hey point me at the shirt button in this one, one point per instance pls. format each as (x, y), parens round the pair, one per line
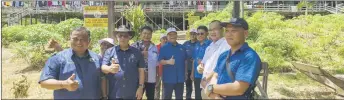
(124, 79)
(123, 85)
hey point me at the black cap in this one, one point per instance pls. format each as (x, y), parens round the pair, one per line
(238, 22)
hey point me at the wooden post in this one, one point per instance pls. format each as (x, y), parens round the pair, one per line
(162, 20)
(110, 18)
(236, 9)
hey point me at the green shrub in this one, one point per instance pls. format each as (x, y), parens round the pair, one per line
(21, 88)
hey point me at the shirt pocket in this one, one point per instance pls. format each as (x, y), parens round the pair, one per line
(67, 70)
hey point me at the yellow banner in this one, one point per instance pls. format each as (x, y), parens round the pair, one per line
(96, 22)
(92, 9)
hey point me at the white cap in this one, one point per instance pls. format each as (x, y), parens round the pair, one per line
(193, 30)
(162, 36)
(106, 40)
(171, 30)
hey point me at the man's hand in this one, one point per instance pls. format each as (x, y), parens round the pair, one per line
(200, 68)
(171, 61)
(204, 83)
(139, 93)
(71, 84)
(214, 96)
(192, 76)
(113, 68)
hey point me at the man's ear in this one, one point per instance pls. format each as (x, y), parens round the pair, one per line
(246, 33)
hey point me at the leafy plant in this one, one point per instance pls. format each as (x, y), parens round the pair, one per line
(20, 88)
(137, 18)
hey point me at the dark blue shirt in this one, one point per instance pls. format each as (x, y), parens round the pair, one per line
(244, 64)
(124, 83)
(198, 55)
(173, 73)
(87, 70)
(189, 51)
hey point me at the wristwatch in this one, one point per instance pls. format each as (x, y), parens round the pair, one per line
(142, 85)
(210, 88)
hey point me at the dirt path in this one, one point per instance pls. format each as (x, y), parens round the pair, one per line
(12, 71)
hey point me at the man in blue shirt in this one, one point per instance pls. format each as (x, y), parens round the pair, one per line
(238, 68)
(190, 46)
(201, 46)
(73, 73)
(124, 66)
(173, 58)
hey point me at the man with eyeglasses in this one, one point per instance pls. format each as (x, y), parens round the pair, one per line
(124, 66)
(201, 46)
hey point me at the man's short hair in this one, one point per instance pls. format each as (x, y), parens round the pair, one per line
(147, 28)
(202, 27)
(82, 29)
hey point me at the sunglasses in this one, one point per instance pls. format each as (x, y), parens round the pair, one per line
(193, 33)
(124, 36)
(200, 33)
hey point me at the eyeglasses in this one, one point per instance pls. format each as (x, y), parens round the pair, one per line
(124, 36)
(200, 33)
(193, 33)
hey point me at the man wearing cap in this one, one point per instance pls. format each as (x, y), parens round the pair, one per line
(237, 69)
(73, 73)
(163, 40)
(173, 58)
(212, 53)
(189, 46)
(124, 66)
(150, 54)
(105, 44)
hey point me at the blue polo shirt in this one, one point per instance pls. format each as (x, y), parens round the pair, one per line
(124, 83)
(87, 70)
(244, 64)
(189, 51)
(199, 54)
(173, 73)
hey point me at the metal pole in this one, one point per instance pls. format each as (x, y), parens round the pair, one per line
(241, 9)
(110, 18)
(183, 21)
(236, 9)
(162, 20)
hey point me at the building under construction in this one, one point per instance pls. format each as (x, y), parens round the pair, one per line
(159, 13)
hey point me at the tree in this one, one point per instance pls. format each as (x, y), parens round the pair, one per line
(137, 18)
(305, 3)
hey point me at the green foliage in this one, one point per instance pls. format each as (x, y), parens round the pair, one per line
(21, 88)
(64, 28)
(137, 19)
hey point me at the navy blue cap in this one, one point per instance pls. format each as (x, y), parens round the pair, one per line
(238, 22)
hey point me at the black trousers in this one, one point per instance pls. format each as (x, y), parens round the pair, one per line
(198, 90)
(149, 89)
(188, 84)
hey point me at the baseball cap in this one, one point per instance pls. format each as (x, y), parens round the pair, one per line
(106, 40)
(238, 22)
(169, 30)
(162, 36)
(193, 30)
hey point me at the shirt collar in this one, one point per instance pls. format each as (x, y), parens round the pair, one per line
(243, 47)
(119, 49)
(72, 53)
(169, 43)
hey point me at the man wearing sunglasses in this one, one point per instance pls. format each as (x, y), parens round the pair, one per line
(238, 68)
(201, 46)
(189, 46)
(124, 66)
